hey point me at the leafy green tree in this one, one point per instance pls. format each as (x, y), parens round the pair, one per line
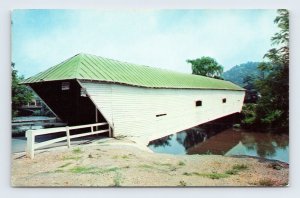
(273, 106)
(21, 95)
(206, 66)
(248, 81)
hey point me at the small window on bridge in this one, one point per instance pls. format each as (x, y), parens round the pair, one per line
(224, 100)
(198, 103)
(65, 86)
(83, 92)
(159, 115)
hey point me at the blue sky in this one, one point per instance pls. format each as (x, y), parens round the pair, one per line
(157, 38)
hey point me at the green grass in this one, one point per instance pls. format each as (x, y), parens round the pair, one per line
(77, 150)
(214, 175)
(72, 158)
(240, 167)
(112, 169)
(182, 183)
(146, 166)
(117, 179)
(232, 172)
(181, 163)
(166, 164)
(162, 164)
(187, 174)
(209, 175)
(92, 170)
(236, 169)
(173, 168)
(65, 165)
(82, 169)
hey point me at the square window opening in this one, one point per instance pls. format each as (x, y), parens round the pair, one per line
(65, 86)
(198, 103)
(83, 92)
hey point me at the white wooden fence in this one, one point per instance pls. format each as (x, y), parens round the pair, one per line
(31, 134)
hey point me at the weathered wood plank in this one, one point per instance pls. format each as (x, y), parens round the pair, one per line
(87, 134)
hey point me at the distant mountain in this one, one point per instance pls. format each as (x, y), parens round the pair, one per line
(239, 72)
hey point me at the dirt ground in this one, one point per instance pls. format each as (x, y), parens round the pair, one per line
(116, 164)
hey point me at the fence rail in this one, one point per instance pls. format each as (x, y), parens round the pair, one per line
(31, 134)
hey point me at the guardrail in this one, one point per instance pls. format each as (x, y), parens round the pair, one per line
(31, 134)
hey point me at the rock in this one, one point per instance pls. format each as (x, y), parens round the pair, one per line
(275, 166)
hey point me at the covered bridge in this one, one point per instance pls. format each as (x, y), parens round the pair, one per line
(137, 101)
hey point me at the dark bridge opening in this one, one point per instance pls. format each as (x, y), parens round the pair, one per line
(69, 101)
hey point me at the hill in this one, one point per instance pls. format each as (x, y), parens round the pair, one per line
(237, 73)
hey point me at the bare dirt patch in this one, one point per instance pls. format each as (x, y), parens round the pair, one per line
(124, 165)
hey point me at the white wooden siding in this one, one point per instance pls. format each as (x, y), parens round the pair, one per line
(132, 110)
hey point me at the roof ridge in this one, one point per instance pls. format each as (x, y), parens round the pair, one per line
(78, 65)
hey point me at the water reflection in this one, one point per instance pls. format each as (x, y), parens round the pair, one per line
(212, 139)
(162, 142)
(263, 145)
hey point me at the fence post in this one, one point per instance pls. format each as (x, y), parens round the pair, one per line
(109, 131)
(30, 144)
(68, 136)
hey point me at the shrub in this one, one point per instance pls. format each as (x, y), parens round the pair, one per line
(181, 163)
(77, 150)
(249, 116)
(182, 183)
(240, 167)
(266, 182)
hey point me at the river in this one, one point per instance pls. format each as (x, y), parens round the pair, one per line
(230, 141)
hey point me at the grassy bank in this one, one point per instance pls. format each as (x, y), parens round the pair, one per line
(110, 164)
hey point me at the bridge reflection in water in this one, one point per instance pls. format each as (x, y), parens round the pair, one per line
(216, 138)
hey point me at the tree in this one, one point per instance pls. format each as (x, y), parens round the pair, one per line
(206, 66)
(273, 106)
(21, 95)
(248, 81)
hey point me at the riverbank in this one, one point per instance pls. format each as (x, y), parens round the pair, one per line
(122, 163)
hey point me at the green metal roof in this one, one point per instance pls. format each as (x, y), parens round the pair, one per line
(95, 68)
